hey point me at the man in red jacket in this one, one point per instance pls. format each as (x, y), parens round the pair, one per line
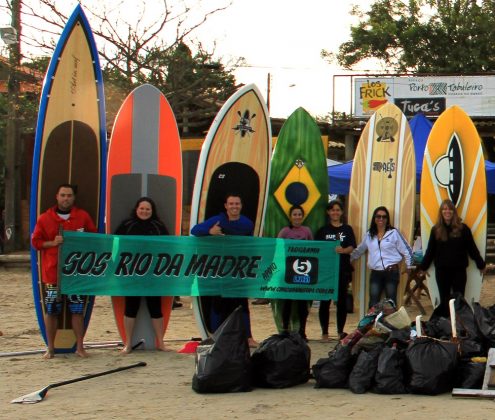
(46, 238)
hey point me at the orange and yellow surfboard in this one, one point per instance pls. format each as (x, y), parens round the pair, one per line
(454, 168)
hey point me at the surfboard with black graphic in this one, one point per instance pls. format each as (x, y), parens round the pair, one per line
(235, 157)
(70, 147)
(383, 174)
(454, 168)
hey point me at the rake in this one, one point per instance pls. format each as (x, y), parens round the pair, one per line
(37, 396)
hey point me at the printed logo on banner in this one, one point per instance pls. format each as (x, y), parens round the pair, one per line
(301, 270)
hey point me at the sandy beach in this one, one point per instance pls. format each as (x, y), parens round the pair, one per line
(163, 387)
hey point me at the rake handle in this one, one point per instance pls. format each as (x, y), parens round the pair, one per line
(94, 375)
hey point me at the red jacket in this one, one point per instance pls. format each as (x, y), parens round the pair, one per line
(47, 227)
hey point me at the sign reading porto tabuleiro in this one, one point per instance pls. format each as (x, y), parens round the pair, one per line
(427, 95)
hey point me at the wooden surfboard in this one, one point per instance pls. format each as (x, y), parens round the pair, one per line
(383, 174)
(235, 157)
(144, 159)
(454, 168)
(298, 176)
(70, 147)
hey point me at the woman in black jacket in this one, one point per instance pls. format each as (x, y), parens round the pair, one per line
(143, 221)
(451, 243)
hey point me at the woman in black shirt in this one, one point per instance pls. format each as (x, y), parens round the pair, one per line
(336, 230)
(143, 221)
(450, 244)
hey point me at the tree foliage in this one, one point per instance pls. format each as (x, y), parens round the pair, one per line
(424, 36)
(145, 48)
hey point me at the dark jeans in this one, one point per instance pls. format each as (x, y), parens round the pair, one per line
(324, 311)
(381, 281)
(222, 307)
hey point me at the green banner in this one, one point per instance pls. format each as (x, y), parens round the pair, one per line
(229, 266)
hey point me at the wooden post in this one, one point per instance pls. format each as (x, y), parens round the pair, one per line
(12, 150)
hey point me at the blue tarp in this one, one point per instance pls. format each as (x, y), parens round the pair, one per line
(339, 176)
(420, 130)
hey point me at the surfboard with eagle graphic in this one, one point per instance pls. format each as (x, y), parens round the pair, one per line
(454, 168)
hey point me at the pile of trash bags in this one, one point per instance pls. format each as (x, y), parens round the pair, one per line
(224, 364)
(386, 355)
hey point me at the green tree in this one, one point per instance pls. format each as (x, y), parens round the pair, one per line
(424, 36)
(149, 48)
(195, 85)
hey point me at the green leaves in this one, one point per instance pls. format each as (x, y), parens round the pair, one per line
(426, 36)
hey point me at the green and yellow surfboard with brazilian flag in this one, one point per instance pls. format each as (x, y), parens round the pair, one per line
(298, 176)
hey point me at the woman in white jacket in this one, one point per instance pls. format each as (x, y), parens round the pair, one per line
(386, 247)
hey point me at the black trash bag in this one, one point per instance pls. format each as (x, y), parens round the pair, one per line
(333, 371)
(438, 327)
(470, 375)
(389, 377)
(363, 372)
(471, 348)
(485, 320)
(470, 340)
(281, 361)
(223, 361)
(432, 365)
(400, 338)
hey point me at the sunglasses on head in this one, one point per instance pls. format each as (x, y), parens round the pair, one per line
(381, 216)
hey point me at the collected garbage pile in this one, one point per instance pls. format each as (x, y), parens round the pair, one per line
(386, 354)
(224, 363)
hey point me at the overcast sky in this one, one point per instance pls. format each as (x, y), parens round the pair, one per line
(280, 38)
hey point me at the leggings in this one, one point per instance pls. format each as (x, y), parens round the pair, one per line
(450, 280)
(154, 304)
(302, 311)
(324, 311)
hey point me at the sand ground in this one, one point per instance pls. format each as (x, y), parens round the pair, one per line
(163, 387)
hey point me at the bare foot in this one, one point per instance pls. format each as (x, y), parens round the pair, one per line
(82, 353)
(325, 338)
(126, 350)
(49, 354)
(252, 343)
(163, 348)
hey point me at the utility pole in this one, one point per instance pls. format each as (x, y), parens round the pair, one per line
(12, 151)
(268, 88)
